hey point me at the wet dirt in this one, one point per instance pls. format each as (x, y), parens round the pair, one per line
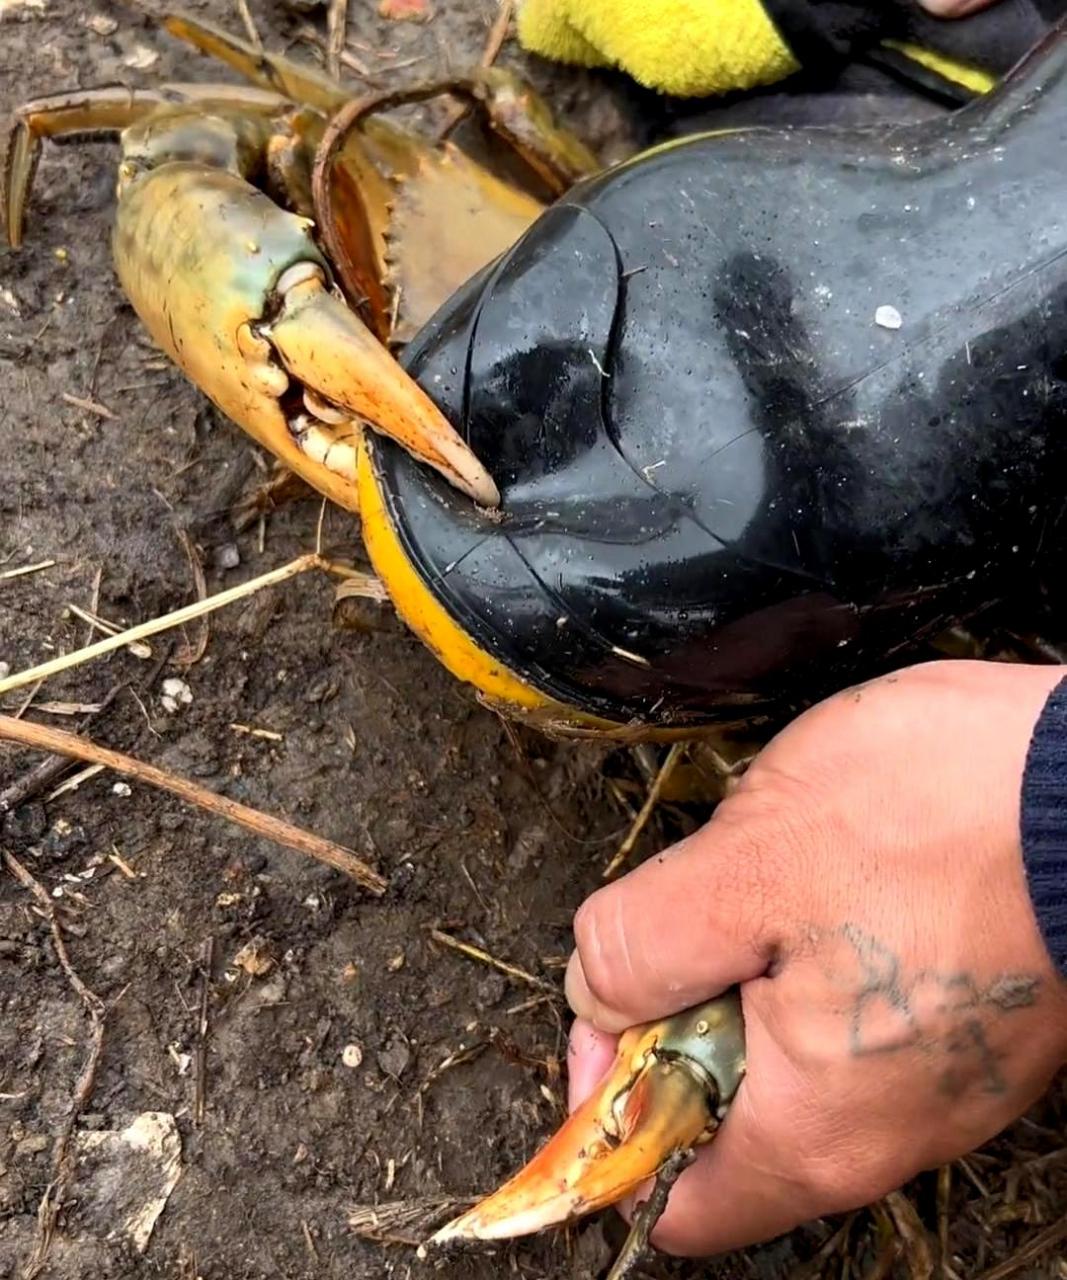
(322, 1082)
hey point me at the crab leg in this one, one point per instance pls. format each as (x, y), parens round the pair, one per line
(296, 81)
(97, 110)
(668, 1088)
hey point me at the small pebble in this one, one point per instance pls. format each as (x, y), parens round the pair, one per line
(888, 317)
(5, 670)
(141, 58)
(227, 556)
(176, 693)
(122, 789)
(352, 1055)
(101, 24)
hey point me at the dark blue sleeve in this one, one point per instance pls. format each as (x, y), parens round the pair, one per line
(1044, 823)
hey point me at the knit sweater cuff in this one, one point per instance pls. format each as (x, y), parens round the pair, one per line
(1044, 823)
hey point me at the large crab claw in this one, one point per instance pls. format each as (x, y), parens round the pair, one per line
(668, 1088)
(235, 291)
(234, 288)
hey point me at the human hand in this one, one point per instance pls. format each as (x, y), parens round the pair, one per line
(864, 883)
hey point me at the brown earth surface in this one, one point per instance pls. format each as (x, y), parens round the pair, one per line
(493, 834)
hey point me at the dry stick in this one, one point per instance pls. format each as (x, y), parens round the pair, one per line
(404, 1221)
(648, 1213)
(944, 1193)
(88, 406)
(190, 654)
(249, 24)
(207, 959)
(912, 1235)
(651, 800)
(336, 30)
(813, 1268)
(1038, 1244)
(176, 619)
(63, 1158)
(23, 569)
(333, 855)
(47, 771)
(498, 33)
(477, 953)
(96, 623)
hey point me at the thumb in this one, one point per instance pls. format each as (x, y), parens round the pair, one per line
(684, 926)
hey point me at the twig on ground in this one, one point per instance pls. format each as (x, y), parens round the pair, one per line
(176, 619)
(477, 953)
(918, 1255)
(47, 771)
(190, 654)
(648, 1213)
(96, 623)
(944, 1194)
(651, 800)
(203, 1025)
(333, 855)
(88, 406)
(74, 781)
(245, 15)
(457, 1058)
(835, 1243)
(1039, 1243)
(336, 31)
(63, 1155)
(404, 1221)
(24, 569)
(498, 33)
(309, 1242)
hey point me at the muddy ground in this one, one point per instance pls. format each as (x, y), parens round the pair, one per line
(491, 834)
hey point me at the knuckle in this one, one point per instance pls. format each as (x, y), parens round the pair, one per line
(600, 949)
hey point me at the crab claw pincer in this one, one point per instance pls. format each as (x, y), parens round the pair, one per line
(337, 358)
(668, 1088)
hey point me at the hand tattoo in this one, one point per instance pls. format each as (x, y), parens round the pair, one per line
(943, 1015)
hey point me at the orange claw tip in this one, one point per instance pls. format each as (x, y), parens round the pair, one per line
(670, 1084)
(329, 349)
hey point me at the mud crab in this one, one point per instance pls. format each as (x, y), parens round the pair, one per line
(758, 418)
(277, 286)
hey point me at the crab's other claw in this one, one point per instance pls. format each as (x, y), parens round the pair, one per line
(668, 1088)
